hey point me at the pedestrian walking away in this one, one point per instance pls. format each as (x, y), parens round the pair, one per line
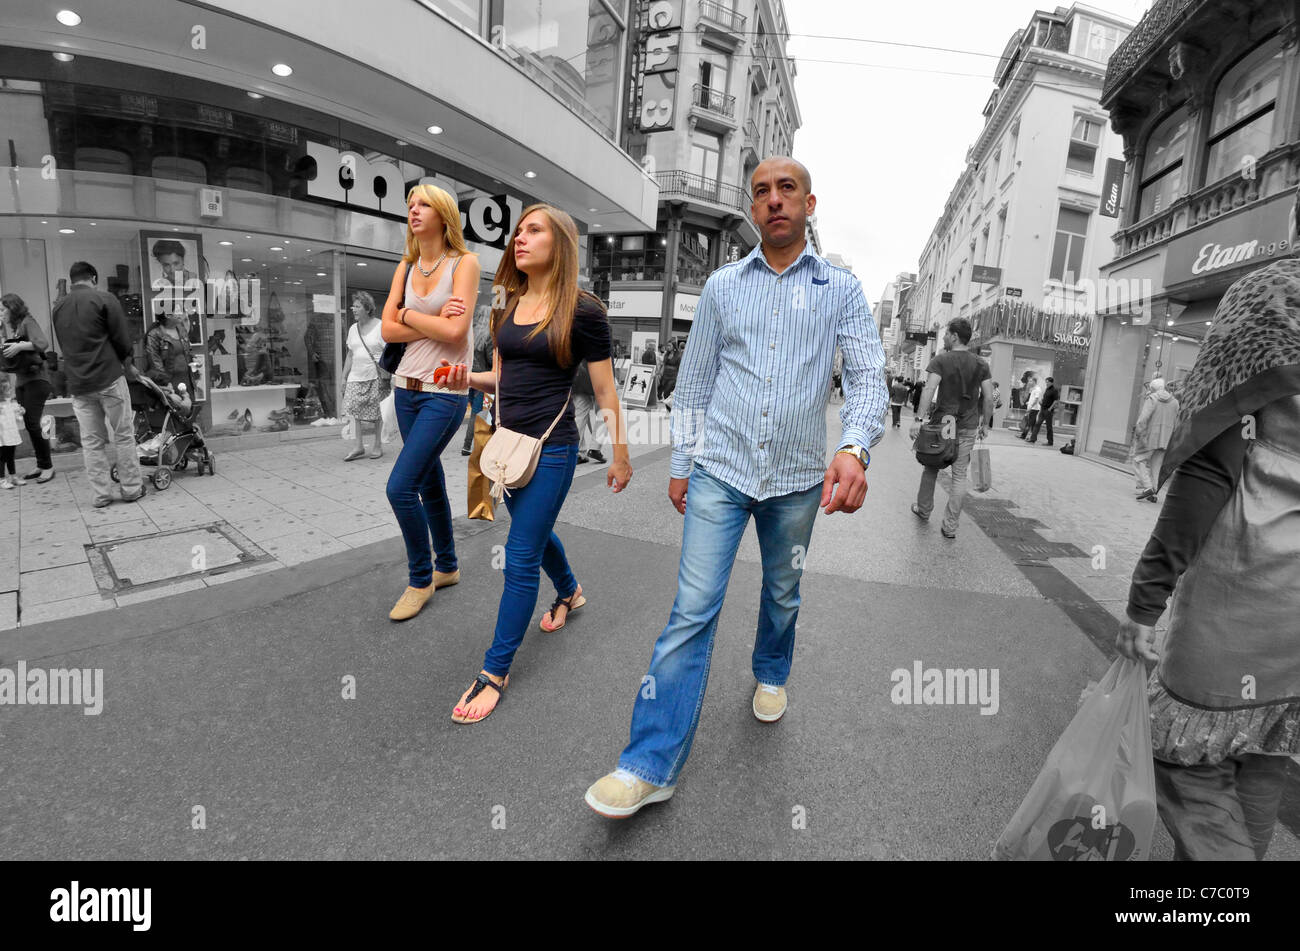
(960, 387)
(23, 350)
(1046, 409)
(482, 363)
(592, 432)
(96, 344)
(429, 309)
(898, 394)
(917, 388)
(749, 439)
(1151, 434)
(546, 329)
(1227, 547)
(365, 385)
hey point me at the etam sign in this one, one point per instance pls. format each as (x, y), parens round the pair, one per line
(1249, 238)
(376, 185)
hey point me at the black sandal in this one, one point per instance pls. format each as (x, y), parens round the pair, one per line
(567, 603)
(480, 682)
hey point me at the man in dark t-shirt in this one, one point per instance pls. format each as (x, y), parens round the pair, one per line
(961, 390)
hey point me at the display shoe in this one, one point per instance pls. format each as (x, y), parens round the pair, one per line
(410, 603)
(234, 414)
(248, 419)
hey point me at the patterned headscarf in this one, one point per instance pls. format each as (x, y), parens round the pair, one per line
(1250, 358)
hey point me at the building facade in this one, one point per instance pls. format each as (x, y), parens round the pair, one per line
(1207, 98)
(710, 93)
(270, 148)
(1023, 234)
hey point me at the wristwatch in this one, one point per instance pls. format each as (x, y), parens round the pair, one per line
(857, 452)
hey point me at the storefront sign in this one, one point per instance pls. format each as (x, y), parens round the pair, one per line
(1030, 323)
(1112, 187)
(490, 219)
(1014, 292)
(1248, 239)
(635, 303)
(983, 274)
(684, 306)
(351, 179)
(659, 61)
(886, 314)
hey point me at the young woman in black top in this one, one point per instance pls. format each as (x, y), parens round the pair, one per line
(544, 330)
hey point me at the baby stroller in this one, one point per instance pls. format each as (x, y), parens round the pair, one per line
(167, 432)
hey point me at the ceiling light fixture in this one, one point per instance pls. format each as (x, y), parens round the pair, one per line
(225, 244)
(530, 174)
(246, 260)
(68, 18)
(67, 231)
(276, 248)
(64, 57)
(255, 95)
(321, 274)
(401, 144)
(361, 264)
(281, 69)
(592, 210)
(435, 130)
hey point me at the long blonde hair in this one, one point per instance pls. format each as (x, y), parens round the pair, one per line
(561, 288)
(445, 205)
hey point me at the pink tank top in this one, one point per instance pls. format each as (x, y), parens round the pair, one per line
(423, 356)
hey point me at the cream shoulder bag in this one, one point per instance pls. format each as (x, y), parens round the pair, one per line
(509, 459)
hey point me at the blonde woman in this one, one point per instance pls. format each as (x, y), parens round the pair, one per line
(429, 309)
(546, 328)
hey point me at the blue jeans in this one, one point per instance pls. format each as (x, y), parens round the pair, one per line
(531, 547)
(957, 493)
(417, 490)
(668, 702)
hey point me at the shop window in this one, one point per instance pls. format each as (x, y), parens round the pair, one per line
(1084, 139)
(1245, 109)
(248, 179)
(1162, 171)
(180, 169)
(1067, 254)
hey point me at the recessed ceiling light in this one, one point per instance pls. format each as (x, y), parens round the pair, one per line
(93, 223)
(598, 225)
(64, 57)
(276, 248)
(44, 222)
(530, 174)
(67, 231)
(401, 143)
(592, 210)
(176, 229)
(255, 95)
(225, 244)
(435, 130)
(280, 69)
(1208, 322)
(68, 18)
(246, 260)
(321, 274)
(361, 264)
(1169, 323)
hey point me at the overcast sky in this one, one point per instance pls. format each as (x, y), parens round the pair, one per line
(885, 145)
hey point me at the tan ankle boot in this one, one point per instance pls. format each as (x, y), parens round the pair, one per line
(410, 603)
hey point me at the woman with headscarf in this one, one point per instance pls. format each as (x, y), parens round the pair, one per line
(1225, 695)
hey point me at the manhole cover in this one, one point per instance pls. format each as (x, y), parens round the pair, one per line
(153, 560)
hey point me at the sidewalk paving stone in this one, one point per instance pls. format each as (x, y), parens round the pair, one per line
(69, 607)
(57, 584)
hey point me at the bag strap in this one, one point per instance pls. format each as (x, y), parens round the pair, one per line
(361, 337)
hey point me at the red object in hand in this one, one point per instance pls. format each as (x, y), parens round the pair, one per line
(440, 375)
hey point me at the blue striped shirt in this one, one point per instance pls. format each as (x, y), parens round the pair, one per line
(750, 402)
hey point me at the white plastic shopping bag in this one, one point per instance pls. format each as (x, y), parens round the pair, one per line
(388, 416)
(1095, 798)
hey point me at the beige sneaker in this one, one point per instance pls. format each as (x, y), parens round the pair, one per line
(620, 794)
(443, 579)
(769, 703)
(410, 603)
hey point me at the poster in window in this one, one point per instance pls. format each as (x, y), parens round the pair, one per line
(174, 291)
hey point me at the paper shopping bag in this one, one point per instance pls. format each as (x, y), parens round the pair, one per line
(1095, 799)
(981, 469)
(480, 486)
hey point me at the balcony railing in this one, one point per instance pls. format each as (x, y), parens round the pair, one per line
(681, 184)
(712, 100)
(723, 15)
(751, 134)
(1214, 200)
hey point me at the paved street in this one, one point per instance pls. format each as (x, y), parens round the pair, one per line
(229, 696)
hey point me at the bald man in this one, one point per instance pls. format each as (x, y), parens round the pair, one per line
(749, 439)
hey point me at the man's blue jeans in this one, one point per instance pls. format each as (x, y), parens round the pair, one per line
(532, 547)
(669, 699)
(417, 490)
